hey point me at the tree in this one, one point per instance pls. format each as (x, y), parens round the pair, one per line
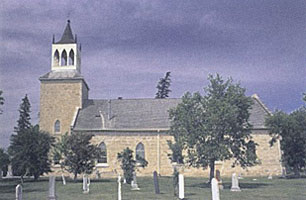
(163, 87)
(290, 129)
(128, 164)
(215, 127)
(4, 162)
(29, 151)
(176, 156)
(79, 154)
(24, 121)
(1, 101)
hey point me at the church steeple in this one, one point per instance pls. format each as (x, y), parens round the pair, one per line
(67, 37)
(65, 52)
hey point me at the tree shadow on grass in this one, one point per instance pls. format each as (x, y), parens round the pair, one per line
(7, 188)
(228, 185)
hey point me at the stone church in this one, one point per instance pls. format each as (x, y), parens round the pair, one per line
(140, 124)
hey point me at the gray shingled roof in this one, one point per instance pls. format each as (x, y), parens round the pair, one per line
(67, 37)
(62, 74)
(141, 114)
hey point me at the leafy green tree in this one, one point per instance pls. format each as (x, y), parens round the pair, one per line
(215, 127)
(290, 129)
(29, 151)
(4, 161)
(79, 154)
(1, 101)
(176, 156)
(163, 87)
(128, 164)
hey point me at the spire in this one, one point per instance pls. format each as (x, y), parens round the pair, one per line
(67, 36)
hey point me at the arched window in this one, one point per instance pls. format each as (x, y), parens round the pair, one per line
(57, 126)
(71, 57)
(140, 152)
(103, 157)
(56, 58)
(64, 58)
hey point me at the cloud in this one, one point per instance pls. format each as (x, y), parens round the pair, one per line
(128, 45)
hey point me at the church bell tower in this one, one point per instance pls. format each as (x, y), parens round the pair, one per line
(63, 89)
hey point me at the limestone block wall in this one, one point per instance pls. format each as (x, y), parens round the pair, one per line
(59, 101)
(156, 153)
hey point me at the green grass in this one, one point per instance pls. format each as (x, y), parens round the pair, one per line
(195, 188)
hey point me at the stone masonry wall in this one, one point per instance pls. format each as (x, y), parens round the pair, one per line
(58, 101)
(156, 153)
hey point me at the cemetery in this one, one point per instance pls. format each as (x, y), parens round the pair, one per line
(255, 188)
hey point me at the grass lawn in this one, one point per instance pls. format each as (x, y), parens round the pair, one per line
(195, 188)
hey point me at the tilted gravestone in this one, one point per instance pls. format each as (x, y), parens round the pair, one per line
(235, 184)
(63, 179)
(18, 192)
(119, 187)
(156, 184)
(215, 189)
(52, 192)
(181, 187)
(175, 182)
(134, 182)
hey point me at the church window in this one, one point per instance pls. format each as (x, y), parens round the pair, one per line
(103, 157)
(56, 58)
(140, 152)
(71, 57)
(64, 58)
(57, 126)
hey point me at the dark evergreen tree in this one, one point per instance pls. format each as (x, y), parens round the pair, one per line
(79, 154)
(4, 161)
(1, 101)
(24, 121)
(215, 127)
(29, 151)
(163, 87)
(290, 129)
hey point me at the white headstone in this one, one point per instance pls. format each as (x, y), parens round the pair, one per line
(52, 193)
(181, 186)
(18, 192)
(215, 189)
(86, 183)
(119, 187)
(63, 179)
(235, 184)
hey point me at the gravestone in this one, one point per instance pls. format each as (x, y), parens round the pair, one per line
(86, 183)
(240, 176)
(218, 177)
(235, 184)
(181, 186)
(270, 177)
(98, 174)
(215, 189)
(9, 172)
(156, 184)
(52, 193)
(63, 179)
(119, 187)
(175, 182)
(18, 192)
(134, 182)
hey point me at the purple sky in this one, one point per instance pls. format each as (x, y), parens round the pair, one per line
(128, 45)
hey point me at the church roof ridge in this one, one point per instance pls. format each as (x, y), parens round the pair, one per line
(67, 37)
